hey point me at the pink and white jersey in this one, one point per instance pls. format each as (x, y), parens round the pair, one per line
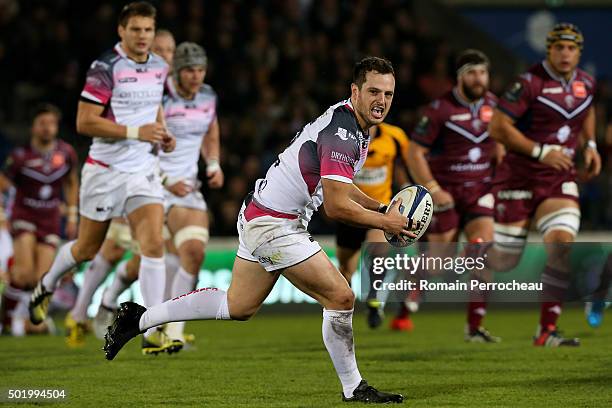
(131, 94)
(188, 121)
(333, 146)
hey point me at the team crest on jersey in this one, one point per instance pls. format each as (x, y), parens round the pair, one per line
(563, 134)
(475, 154)
(578, 89)
(514, 92)
(486, 113)
(45, 192)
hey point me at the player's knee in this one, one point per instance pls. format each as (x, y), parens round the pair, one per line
(242, 313)
(342, 299)
(192, 253)
(152, 246)
(509, 242)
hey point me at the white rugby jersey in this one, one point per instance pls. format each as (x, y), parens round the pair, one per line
(333, 146)
(188, 121)
(131, 93)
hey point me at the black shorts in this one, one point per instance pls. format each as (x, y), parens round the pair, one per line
(350, 237)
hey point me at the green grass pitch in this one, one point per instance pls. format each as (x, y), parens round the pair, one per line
(280, 361)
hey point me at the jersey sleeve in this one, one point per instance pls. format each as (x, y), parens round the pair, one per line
(516, 99)
(427, 128)
(98, 83)
(338, 154)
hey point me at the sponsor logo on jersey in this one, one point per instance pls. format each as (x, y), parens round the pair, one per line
(486, 113)
(33, 162)
(578, 89)
(460, 117)
(127, 79)
(514, 92)
(487, 201)
(422, 125)
(569, 101)
(58, 160)
(555, 90)
(342, 133)
(342, 157)
(515, 195)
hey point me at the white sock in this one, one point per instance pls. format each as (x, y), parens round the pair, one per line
(94, 275)
(183, 283)
(338, 339)
(120, 283)
(63, 262)
(152, 278)
(172, 264)
(202, 304)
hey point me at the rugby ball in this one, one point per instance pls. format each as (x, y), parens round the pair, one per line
(417, 205)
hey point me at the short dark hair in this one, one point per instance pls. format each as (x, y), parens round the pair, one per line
(137, 8)
(43, 108)
(380, 65)
(471, 56)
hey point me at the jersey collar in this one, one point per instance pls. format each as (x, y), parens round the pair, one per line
(349, 105)
(474, 107)
(122, 53)
(551, 73)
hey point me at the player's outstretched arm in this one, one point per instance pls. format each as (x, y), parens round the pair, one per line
(340, 207)
(91, 123)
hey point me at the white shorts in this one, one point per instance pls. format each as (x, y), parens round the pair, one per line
(276, 243)
(193, 200)
(106, 193)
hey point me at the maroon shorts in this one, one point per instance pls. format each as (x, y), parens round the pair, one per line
(45, 225)
(518, 197)
(471, 201)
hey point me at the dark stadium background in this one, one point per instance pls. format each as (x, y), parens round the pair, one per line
(277, 64)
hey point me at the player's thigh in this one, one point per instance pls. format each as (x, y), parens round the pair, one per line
(24, 254)
(479, 228)
(90, 238)
(44, 258)
(509, 242)
(146, 223)
(250, 286)
(319, 278)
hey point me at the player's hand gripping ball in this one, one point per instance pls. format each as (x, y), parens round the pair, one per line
(417, 205)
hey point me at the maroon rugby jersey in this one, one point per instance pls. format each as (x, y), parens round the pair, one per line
(455, 131)
(549, 110)
(38, 177)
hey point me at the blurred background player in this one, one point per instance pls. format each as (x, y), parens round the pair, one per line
(388, 147)
(45, 175)
(190, 109)
(594, 310)
(118, 241)
(453, 156)
(319, 164)
(190, 112)
(120, 108)
(542, 119)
